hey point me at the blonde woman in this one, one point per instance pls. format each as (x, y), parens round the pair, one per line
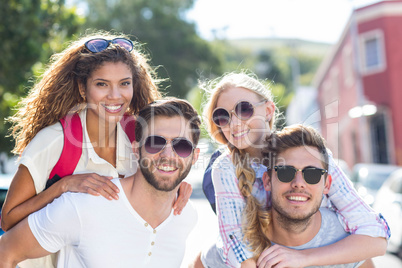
(241, 114)
(100, 78)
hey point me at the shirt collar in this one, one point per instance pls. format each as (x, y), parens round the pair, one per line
(126, 162)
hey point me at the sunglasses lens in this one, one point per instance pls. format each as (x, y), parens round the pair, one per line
(124, 43)
(285, 173)
(244, 110)
(96, 45)
(221, 117)
(154, 144)
(182, 147)
(312, 175)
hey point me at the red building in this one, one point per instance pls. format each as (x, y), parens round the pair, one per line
(360, 87)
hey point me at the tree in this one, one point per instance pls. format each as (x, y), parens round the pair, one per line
(30, 31)
(171, 41)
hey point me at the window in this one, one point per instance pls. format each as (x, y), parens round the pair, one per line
(372, 55)
(372, 52)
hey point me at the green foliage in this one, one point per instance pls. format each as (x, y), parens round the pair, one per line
(30, 31)
(172, 42)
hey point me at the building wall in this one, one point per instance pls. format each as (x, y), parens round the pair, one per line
(343, 85)
(384, 87)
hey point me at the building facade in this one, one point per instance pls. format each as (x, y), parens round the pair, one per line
(360, 87)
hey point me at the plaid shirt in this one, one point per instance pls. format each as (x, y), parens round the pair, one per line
(355, 215)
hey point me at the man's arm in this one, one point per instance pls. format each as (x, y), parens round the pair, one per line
(19, 244)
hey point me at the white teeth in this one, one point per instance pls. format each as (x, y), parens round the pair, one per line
(240, 133)
(113, 107)
(297, 198)
(166, 168)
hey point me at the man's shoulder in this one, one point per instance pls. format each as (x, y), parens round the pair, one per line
(331, 229)
(190, 212)
(327, 213)
(187, 220)
(329, 219)
(84, 200)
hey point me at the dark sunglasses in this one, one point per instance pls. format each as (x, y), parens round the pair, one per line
(99, 44)
(243, 110)
(311, 175)
(155, 144)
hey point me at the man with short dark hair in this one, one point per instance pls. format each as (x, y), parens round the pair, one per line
(297, 180)
(137, 230)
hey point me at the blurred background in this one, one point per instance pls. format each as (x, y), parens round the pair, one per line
(334, 64)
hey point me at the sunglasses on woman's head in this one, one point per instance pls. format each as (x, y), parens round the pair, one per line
(155, 144)
(243, 110)
(99, 44)
(311, 175)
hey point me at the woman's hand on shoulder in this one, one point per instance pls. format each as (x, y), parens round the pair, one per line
(90, 183)
(279, 256)
(185, 191)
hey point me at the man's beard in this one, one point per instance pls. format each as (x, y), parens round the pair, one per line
(290, 221)
(160, 184)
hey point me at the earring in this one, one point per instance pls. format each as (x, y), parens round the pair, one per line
(83, 97)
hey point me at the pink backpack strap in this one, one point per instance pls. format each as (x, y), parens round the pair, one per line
(72, 148)
(128, 125)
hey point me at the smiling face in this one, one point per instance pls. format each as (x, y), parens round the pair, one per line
(296, 200)
(246, 134)
(109, 91)
(165, 169)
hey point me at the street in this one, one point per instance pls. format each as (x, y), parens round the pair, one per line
(206, 229)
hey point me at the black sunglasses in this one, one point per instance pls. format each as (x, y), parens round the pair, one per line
(311, 175)
(99, 44)
(155, 144)
(243, 110)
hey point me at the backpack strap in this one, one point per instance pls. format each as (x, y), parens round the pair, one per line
(207, 185)
(72, 148)
(128, 125)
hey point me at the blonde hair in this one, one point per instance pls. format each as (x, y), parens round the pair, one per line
(57, 92)
(240, 159)
(278, 142)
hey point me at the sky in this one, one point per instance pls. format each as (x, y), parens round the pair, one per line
(315, 20)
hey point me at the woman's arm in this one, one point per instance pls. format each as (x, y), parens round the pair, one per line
(356, 216)
(353, 248)
(22, 199)
(250, 263)
(337, 253)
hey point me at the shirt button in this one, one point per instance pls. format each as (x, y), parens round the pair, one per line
(146, 224)
(154, 231)
(150, 253)
(231, 236)
(153, 243)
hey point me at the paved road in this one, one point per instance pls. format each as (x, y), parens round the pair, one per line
(206, 229)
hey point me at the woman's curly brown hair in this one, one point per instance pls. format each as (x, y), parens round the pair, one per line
(57, 92)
